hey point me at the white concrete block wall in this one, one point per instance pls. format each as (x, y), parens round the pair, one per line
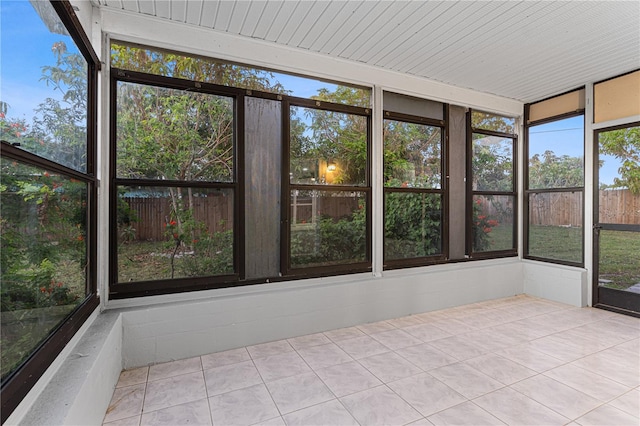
(219, 320)
(560, 283)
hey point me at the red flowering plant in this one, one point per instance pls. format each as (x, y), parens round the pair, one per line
(482, 227)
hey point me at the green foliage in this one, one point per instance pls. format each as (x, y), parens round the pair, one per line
(330, 240)
(212, 255)
(492, 163)
(554, 171)
(193, 68)
(624, 144)
(412, 226)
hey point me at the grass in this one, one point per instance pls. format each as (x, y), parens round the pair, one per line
(556, 242)
(619, 258)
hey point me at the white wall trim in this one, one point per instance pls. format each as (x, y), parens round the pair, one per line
(615, 123)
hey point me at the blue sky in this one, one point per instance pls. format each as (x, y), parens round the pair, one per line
(26, 47)
(566, 137)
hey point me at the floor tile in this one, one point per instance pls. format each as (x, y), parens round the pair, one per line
(298, 392)
(606, 415)
(396, 339)
(466, 380)
(558, 348)
(125, 402)
(277, 421)
(405, 321)
(246, 406)
(452, 326)
(376, 327)
(362, 347)
(389, 366)
(592, 384)
(426, 356)
(191, 413)
(561, 398)
(132, 377)
(458, 347)
(174, 368)
(514, 408)
(466, 413)
(324, 356)
(269, 349)
(629, 403)
(615, 365)
(500, 368)
(129, 421)
(379, 406)
(347, 378)
(427, 332)
(530, 358)
(309, 340)
(327, 413)
(219, 359)
(176, 390)
(279, 366)
(344, 333)
(231, 377)
(426, 394)
(421, 422)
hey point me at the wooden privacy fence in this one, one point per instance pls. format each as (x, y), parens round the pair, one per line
(565, 208)
(214, 211)
(619, 206)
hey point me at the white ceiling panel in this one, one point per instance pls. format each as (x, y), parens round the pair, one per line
(523, 50)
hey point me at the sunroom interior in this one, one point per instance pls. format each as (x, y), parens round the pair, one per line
(181, 178)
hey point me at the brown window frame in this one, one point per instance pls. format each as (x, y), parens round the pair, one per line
(119, 290)
(442, 191)
(513, 251)
(528, 191)
(285, 255)
(17, 385)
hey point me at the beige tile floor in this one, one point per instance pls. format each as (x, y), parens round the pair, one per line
(517, 361)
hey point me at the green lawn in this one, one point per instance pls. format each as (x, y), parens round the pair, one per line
(556, 242)
(619, 258)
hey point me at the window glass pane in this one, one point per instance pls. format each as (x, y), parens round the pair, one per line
(412, 155)
(488, 121)
(43, 257)
(492, 166)
(619, 265)
(556, 154)
(171, 64)
(168, 232)
(173, 134)
(412, 225)
(44, 85)
(327, 147)
(493, 222)
(327, 228)
(619, 157)
(555, 225)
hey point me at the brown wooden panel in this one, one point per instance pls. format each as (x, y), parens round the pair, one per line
(262, 171)
(559, 105)
(413, 106)
(617, 98)
(457, 189)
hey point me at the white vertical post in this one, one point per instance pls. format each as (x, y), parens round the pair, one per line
(377, 181)
(589, 152)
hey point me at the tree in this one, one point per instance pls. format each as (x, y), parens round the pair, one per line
(624, 144)
(552, 171)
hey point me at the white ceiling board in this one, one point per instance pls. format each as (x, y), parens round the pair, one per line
(194, 11)
(521, 50)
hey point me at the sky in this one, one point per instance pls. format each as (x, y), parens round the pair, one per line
(26, 47)
(566, 137)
